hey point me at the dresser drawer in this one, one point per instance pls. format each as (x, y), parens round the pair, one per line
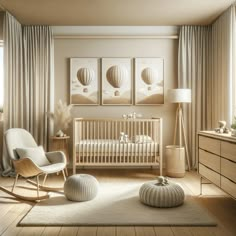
(228, 186)
(228, 169)
(209, 174)
(210, 160)
(228, 150)
(209, 144)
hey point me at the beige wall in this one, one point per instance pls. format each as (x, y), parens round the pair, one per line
(165, 48)
(1, 25)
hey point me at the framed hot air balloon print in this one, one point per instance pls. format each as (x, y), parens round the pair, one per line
(116, 81)
(84, 81)
(149, 81)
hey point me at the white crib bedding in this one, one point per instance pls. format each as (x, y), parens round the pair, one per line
(112, 145)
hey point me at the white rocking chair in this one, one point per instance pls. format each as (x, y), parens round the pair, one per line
(51, 162)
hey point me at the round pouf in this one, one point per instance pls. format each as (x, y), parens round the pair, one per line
(169, 195)
(81, 187)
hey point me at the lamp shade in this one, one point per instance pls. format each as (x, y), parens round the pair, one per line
(179, 95)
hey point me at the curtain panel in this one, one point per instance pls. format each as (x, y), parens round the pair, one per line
(14, 83)
(206, 65)
(193, 57)
(28, 52)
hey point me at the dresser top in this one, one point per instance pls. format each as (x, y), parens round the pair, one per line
(213, 134)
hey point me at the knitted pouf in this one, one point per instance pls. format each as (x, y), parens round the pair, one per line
(81, 187)
(169, 195)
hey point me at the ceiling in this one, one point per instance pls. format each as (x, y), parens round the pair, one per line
(116, 12)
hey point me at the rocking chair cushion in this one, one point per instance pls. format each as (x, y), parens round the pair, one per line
(52, 168)
(36, 154)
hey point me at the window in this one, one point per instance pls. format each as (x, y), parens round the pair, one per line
(1, 77)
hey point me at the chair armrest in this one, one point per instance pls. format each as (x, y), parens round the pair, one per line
(26, 167)
(56, 157)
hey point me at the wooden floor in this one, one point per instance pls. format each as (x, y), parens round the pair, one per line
(218, 203)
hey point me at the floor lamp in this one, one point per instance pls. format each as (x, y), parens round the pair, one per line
(180, 96)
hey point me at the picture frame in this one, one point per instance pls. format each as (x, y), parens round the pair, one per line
(149, 81)
(84, 81)
(117, 81)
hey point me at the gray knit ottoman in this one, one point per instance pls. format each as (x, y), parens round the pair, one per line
(161, 193)
(81, 187)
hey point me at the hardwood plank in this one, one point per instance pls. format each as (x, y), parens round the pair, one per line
(106, 231)
(144, 231)
(202, 231)
(50, 231)
(163, 231)
(125, 231)
(5, 208)
(13, 229)
(87, 231)
(181, 231)
(31, 231)
(222, 231)
(217, 207)
(11, 216)
(70, 231)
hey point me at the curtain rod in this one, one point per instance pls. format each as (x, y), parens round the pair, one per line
(116, 36)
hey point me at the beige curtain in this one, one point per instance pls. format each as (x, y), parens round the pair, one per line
(38, 52)
(28, 53)
(222, 79)
(192, 73)
(206, 64)
(14, 83)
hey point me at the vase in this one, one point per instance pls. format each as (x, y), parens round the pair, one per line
(59, 133)
(233, 132)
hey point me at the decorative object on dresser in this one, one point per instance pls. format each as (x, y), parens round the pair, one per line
(149, 81)
(29, 161)
(217, 160)
(180, 96)
(162, 193)
(117, 81)
(61, 144)
(222, 127)
(84, 81)
(102, 142)
(61, 117)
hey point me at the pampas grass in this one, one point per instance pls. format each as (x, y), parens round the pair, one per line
(61, 116)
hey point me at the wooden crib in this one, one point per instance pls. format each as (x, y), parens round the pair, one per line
(117, 142)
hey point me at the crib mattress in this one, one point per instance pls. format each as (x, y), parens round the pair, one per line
(114, 146)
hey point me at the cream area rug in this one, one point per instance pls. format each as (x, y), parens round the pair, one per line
(115, 204)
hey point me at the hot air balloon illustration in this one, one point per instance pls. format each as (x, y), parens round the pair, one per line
(85, 76)
(149, 76)
(117, 77)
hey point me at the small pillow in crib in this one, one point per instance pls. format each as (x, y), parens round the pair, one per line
(36, 154)
(142, 139)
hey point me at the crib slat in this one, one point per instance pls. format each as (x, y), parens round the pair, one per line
(98, 142)
(147, 133)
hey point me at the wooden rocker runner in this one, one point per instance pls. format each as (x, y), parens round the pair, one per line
(30, 161)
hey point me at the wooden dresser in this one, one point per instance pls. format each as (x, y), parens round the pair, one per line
(217, 160)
